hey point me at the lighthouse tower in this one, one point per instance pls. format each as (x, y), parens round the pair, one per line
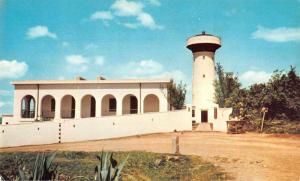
(203, 47)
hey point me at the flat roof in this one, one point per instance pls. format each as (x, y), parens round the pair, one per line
(119, 81)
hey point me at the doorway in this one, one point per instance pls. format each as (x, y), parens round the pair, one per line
(204, 116)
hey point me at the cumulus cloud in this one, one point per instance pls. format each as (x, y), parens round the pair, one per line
(144, 67)
(149, 69)
(154, 2)
(127, 8)
(99, 60)
(77, 63)
(281, 34)
(12, 69)
(2, 104)
(40, 31)
(250, 77)
(4, 92)
(76, 59)
(147, 20)
(101, 15)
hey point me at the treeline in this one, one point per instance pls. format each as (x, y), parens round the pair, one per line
(280, 95)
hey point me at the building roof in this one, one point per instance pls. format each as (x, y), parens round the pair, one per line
(119, 81)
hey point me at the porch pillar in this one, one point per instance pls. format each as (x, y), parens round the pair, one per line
(98, 107)
(57, 115)
(119, 106)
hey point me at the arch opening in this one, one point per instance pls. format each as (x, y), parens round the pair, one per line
(108, 105)
(68, 107)
(48, 107)
(130, 104)
(151, 103)
(88, 106)
(28, 107)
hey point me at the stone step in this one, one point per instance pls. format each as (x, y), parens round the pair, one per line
(203, 127)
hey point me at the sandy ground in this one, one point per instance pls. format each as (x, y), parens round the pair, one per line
(256, 157)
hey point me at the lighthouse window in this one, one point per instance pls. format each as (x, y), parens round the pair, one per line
(193, 113)
(203, 75)
(203, 57)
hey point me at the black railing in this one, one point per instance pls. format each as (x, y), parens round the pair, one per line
(28, 114)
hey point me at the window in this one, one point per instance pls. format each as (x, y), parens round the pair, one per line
(215, 113)
(193, 113)
(203, 57)
(203, 75)
(52, 105)
(112, 105)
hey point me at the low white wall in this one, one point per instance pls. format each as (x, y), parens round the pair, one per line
(93, 128)
(29, 134)
(220, 124)
(128, 125)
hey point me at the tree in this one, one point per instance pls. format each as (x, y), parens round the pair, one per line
(227, 87)
(177, 94)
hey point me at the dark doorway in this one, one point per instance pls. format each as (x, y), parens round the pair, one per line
(204, 116)
(73, 108)
(93, 107)
(133, 105)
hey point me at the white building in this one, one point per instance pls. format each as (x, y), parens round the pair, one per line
(80, 98)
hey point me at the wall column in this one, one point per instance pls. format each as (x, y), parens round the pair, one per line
(119, 106)
(98, 106)
(77, 107)
(57, 115)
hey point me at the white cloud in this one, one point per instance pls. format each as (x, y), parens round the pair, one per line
(131, 25)
(12, 69)
(101, 15)
(134, 9)
(127, 8)
(250, 77)
(61, 78)
(147, 20)
(4, 92)
(144, 67)
(2, 104)
(76, 59)
(281, 34)
(40, 31)
(154, 2)
(77, 63)
(99, 60)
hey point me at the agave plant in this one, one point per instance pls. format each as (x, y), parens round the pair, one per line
(108, 168)
(43, 169)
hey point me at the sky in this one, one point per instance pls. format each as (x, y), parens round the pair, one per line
(62, 39)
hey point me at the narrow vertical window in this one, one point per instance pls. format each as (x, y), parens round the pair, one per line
(215, 113)
(112, 105)
(193, 113)
(52, 105)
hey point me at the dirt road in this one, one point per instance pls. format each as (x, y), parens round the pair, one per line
(256, 157)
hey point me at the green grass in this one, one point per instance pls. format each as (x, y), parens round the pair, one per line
(140, 166)
(0, 120)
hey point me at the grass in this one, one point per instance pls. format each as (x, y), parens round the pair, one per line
(140, 166)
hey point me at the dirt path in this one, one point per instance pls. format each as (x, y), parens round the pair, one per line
(256, 157)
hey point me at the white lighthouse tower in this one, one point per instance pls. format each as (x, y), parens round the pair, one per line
(203, 47)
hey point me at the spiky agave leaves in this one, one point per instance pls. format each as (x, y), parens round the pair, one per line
(43, 169)
(108, 168)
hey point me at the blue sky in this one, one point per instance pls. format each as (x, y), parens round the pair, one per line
(61, 39)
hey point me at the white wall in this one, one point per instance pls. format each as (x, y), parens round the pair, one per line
(220, 124)
(127, 125)
(29, 134)
(94, 128)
